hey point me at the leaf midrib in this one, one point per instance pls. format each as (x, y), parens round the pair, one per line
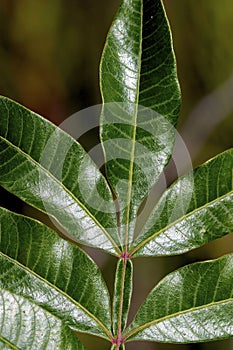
(179, 313)
(76, 303)
(66, 190)
(7, 342)
(39, 306)
(156, 234)
(129, 194)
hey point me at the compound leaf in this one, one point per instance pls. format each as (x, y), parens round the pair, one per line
(192, 304)
(51, 276)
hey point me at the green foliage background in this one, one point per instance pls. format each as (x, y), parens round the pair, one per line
(49, 58)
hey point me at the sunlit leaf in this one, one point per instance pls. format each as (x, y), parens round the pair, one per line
(141, 103)
(197, 209)
(192, 304)
(49, 170)
(25, 325)
(52, 276)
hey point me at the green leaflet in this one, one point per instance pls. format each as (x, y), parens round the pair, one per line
(51, 274)
(122, 295)
(192, 304)
(197, 209)
(49, 170)
(25, 325)
(141, 99)
(49, 287)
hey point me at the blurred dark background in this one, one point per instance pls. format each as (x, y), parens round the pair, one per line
(49, 57)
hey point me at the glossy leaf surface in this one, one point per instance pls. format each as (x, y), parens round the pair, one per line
(49, 170)
(25, 325)
(52, 275)
(192, 304)
(197, 209)
(51, 288)
(141, 103)
(122, 295)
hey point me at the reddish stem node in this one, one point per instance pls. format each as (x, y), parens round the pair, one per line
(118, 341)
(125, 255)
